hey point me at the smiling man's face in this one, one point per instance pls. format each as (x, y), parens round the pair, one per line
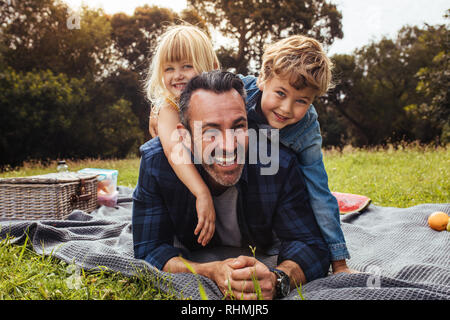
(222, 121)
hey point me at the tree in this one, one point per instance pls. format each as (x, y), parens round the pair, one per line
(37, 34)
(335, 107)
(252, 24)
(370, 92)
(38, 112)
(134, 36)
(433, 86)
(55, 99)
(376, 93)
(49, 116)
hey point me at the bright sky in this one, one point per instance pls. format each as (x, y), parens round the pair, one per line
(363, 20)
(366, 20)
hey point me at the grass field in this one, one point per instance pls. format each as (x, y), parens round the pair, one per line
(400, 177)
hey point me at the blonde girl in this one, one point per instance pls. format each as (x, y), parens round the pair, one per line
(183, 52)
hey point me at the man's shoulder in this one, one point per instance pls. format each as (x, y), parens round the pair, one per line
(151, 149)
(271, 153)
(154, 160)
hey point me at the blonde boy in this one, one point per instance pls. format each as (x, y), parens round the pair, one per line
(294, 72)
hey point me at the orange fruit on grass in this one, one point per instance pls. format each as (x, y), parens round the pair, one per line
(438, 220)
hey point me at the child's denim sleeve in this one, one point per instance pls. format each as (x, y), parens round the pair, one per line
(252, 90)
(305, 139)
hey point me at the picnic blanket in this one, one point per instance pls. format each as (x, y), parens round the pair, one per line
(398, 256)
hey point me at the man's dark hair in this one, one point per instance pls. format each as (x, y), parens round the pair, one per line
(216, 81)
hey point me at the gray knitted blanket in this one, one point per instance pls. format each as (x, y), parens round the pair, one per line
(398, 256)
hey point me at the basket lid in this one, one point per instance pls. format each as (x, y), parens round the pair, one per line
(50, 178)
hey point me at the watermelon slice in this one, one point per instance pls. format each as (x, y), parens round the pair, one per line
(350, 203)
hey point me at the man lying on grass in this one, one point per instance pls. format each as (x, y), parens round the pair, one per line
(253, 209)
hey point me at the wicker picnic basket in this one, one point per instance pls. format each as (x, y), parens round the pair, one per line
(47, 197)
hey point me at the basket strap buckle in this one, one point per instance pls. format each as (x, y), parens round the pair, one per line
(83, 194)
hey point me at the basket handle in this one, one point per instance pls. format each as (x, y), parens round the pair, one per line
(83, 194)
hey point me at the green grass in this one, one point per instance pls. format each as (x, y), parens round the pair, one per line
(24, 275)
(393, 178)
(400, 177)
(128, 169)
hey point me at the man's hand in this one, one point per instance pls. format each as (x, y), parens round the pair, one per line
(235, 276)
(241, 282)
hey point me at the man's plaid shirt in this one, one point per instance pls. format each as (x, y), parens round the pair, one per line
(268, 205)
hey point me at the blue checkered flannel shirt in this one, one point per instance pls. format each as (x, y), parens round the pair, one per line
(273, 212)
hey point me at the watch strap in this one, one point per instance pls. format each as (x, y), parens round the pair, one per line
(278, 271)
(280, 275)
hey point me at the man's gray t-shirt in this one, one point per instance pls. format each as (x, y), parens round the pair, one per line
(227, 226)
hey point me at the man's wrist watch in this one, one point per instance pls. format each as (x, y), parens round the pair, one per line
(283, 284)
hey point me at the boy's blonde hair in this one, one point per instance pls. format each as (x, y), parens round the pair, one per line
(181, 42)
(301, 60)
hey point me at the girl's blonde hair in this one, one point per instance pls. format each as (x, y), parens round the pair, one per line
(178, 43)
(300, 59)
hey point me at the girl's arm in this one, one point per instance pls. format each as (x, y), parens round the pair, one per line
(186, 172)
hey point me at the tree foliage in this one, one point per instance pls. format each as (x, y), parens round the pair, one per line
(77, 92)
(109, 55)
(55, 95)
(252, 24)
(40, 109)
(36, 35)
(393, 90)
(434, 84)
(47, 116)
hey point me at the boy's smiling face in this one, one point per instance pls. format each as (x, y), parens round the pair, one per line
(282, 104)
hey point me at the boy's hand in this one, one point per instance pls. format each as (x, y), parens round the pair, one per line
(206, 218)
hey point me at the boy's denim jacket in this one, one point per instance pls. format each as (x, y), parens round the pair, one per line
(305, 139)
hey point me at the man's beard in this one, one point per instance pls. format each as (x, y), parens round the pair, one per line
(220, 179)
(208, 160)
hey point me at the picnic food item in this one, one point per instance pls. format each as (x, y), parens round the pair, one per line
(448, 225)
(107, 178)
(108, 199)
(438, 220)
(107, 184)
(350, 203)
